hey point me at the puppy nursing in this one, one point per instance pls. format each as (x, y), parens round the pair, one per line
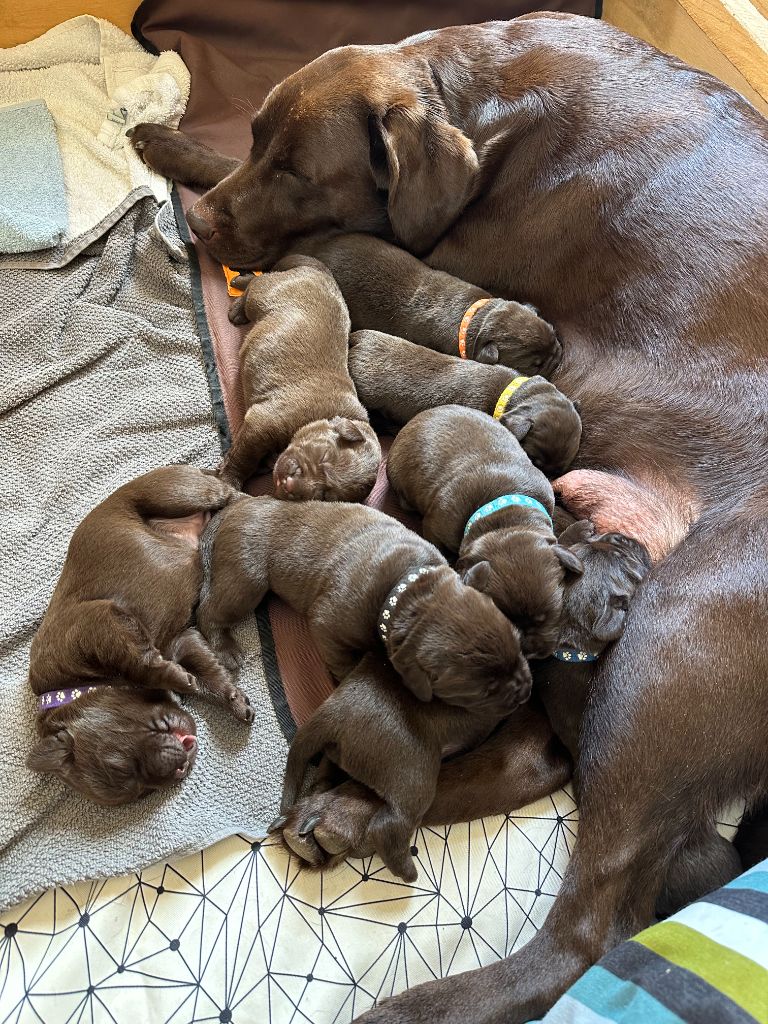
(114, 645)
(302, 405)
(480, 496)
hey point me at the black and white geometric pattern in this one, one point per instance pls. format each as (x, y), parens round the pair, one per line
(240, 933)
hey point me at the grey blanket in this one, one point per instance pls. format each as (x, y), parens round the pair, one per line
(104, 378)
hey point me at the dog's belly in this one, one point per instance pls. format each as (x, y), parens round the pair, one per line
(185, 528)
(649, 508)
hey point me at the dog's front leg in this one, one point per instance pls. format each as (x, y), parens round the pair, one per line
(108, 641)
(176, 155)
(192, 652)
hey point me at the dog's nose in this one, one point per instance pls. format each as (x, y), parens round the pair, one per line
(189, 743)
(202, 228)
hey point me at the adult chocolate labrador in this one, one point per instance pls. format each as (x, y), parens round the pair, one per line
(557, 161)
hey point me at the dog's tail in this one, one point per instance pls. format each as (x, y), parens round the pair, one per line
(308, 743)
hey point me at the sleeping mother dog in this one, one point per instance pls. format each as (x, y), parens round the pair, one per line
(555, 160)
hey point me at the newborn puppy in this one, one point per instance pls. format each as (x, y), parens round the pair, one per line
(480, 495)
(117, 637)
(595, 607)
(365, 582)
(399, 380)
(301, 399)
(412, 300)
(377, 732)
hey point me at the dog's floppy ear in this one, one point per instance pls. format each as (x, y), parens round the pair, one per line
(52, 753)
(348, 430)
(518, 426)
(570, 561)
(427, 166)
(403, 656)
(609, 625)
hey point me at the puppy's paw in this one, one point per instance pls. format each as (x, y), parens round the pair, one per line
(157, 145)
(240, 706)
(237, 311)
(513, 334)
(324, 828)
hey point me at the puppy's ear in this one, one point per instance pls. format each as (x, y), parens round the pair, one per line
(427, 166)
(570, 561)
(610, 623)
(477, 576)
(518, 426)
(404, 658)
(348, 430)
(52, 753)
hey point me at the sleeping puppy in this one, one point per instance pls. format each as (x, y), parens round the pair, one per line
(399, 380)
(595, 604)
(480, 495)
(376, 734)
(301, 401)
(117, 639)
(365, 582)
(434, 309)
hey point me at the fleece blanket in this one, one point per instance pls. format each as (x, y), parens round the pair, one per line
(105, 378)
(96, 82)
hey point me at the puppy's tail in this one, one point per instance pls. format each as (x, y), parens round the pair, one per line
(308, 743)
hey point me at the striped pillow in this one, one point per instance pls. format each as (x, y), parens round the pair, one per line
(707, 964)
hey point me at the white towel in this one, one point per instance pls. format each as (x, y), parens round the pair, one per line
(97, 82)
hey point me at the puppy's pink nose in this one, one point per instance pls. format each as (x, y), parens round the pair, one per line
(288, 483)
(202, 228)
(189, 743)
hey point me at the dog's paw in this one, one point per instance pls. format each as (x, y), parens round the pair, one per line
(513, 334)
(240, 706)
(237, 310)
(156, 144)
(322, 829)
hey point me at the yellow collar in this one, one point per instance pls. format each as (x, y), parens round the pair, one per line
(505, 396)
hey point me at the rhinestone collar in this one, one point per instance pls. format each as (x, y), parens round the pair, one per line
(393, 598)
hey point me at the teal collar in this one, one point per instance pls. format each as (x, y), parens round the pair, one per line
(505, 501)
(572, 655)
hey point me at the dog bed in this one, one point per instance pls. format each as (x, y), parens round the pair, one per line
(238, 931)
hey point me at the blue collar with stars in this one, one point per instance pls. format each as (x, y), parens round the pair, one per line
(505, 501)
(574, 656)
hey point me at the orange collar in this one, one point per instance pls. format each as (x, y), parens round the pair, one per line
(465, 322)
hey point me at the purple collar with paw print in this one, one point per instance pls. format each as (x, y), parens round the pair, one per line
(58, 698)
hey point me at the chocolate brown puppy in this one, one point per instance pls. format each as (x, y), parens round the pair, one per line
(378, 733)
(481, 496)
(365, 582)
(117, 638)
(595, 605)
(453, 317)
(301, 401)
(399, 379)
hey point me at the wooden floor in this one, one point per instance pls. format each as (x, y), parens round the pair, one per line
(22, 21)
